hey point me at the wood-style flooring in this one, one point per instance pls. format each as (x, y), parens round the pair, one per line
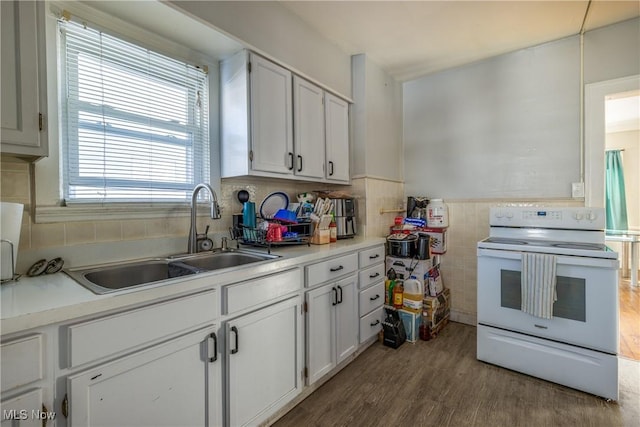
(629, 297)
(440, 383)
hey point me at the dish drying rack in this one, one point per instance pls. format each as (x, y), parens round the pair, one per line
(257, 237)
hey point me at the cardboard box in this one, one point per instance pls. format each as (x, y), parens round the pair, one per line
(438, 239)
(412, 322)
(437, 309)
(409, 268)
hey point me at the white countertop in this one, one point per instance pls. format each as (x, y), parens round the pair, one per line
(39, 301)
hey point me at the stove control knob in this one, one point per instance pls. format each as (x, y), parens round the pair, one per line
(509, 215)
(591, 216)
(578, 216)
(499, 214)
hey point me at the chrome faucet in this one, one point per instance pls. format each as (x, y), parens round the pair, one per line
(215, 214)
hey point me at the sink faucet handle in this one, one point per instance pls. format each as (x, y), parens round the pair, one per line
(223, 243)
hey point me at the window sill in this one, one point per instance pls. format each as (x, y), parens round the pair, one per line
(52, 214)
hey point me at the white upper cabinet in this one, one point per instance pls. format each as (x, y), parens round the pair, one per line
(309, 138)
(336, 112)
(275, 124)
(256, 117)
(23, 79)
(271, 116)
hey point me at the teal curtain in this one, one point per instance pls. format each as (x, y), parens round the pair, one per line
(616, 202)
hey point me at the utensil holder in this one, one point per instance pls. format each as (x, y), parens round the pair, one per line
(14, 276)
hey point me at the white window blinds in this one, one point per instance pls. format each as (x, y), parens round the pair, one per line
(135, 122)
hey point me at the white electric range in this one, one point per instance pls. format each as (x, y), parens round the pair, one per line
(578, 346)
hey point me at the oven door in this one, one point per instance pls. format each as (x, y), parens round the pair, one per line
(585, 313)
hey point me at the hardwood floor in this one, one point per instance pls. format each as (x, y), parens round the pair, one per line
(440, 383)
(629, 297)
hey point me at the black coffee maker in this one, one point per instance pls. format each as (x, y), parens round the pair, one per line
(417, 207)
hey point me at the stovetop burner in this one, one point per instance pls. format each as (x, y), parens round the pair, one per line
(587, 246)
(505, 240)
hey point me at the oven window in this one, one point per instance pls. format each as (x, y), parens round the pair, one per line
(571, 303)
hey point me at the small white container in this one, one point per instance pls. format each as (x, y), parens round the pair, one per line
(437, 214)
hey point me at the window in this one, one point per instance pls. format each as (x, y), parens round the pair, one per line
(134, 122)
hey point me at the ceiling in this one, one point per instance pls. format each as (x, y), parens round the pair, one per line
(409, 39)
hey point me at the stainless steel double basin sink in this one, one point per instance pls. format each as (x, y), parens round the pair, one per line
(126, 275)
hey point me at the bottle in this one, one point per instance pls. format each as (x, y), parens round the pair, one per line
(398, 292)
(392, 284)
(333, 230)
(437, 214)
(425, 329)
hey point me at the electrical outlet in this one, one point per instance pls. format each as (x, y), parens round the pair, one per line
(577, 189)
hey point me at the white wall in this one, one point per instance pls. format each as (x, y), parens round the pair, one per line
(504, 127)
(274, 31)
(612, 52)
(509, 127)
(377, 149)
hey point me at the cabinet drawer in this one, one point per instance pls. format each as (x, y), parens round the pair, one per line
(371, 275)
(371, 256)
(109, 335)
(371, 298)
(260, 291)
(21, 361)
(331, 269)
(371, 324)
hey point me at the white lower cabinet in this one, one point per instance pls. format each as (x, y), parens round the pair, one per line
(175, 383)
(332, 326)
(264, 361)
(25, 372)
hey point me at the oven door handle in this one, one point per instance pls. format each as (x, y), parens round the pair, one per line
(560, 259)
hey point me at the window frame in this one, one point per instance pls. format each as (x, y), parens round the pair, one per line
(48, 203)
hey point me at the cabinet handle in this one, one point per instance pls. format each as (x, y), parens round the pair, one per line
(333, 270)
(45, 412)
(340, 299)
(235, 331)
(335, 296)
(290, 160)
(65, 406)
(300, 161)
(331, 168)
(215, 347)
(374, 256)
(373, 276)
(374, 298)
(377, 322)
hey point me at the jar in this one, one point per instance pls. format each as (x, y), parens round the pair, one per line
(437, 214)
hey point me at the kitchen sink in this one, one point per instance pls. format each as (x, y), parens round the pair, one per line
(225, 259)
(126, 275)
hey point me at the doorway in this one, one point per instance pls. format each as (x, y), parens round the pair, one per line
(612, 122)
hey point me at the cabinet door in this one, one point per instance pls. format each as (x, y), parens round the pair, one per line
(337, 138)
(264, 354)
(347, 320)
(271, 117)
(309, 143)
(321, 347)
(19, 411)
(22, 88)
(170, 384)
